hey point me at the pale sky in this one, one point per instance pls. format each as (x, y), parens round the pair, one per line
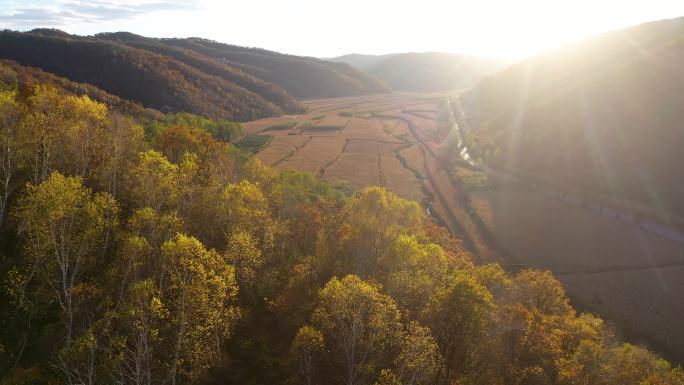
(509, 29)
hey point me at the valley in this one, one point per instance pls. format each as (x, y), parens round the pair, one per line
(186, 207)
(399, 141)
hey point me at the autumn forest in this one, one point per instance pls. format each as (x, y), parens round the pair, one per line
(168, 256)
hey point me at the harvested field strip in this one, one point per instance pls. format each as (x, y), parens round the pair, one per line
(334, 120)
(293, 151)
(280, 126)
(280, 147)
(324, 169)
(362, 146)
(337, 101)
(359, 169)
(364, 127)
(258, 126)
(431, 115)
(322, 129)
(316, 154)
(327, 127)
(367, 106)
(389, 148)
(399, 179)
(380, 107)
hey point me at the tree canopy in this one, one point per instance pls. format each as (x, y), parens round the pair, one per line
(175, 258)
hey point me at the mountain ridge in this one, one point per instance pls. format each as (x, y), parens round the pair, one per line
(424, 71)
(608, 104)
(193, 75)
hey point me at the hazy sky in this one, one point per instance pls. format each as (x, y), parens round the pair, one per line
(497, 28)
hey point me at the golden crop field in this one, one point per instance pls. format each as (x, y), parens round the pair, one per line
(280, 147)
(399, 179)
(388, 140)
(361, 169)
(315, 155)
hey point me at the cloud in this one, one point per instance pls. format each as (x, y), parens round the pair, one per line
(70, 12)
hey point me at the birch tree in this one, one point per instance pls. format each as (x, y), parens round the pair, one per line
(360, 325)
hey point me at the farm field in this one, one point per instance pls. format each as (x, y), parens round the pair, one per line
(389, 140)
(316, 154)
(280, 147)
(360, 169)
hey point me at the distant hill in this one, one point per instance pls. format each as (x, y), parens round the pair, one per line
(361, 61)
(429, 71)
(303, 77)
(269, 91)
(604, 115)
(193, 75)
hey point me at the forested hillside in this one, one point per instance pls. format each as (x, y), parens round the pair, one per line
(426, 71)
(303, 77)
(14, 76)
(186, 75)
(268, 91)
(153, 80)
(602, 116)
(170, 257)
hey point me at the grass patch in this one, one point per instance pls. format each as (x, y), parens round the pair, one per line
(329, 128)
(473, 180)
(347, 114)
(318, 117)
(281, 126)
(253, 143)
